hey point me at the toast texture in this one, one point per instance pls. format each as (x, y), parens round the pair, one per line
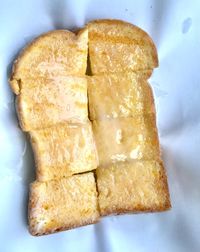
(118, 46)
(140, 186)
(58, 100)
(119, 95)
(62, 204)
(126, 139)
(63, 150)
(84, 169)
(55, 53)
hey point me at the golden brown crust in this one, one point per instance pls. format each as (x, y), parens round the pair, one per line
(64, 228)
(120, 211)
(135, 28)
(113, 32)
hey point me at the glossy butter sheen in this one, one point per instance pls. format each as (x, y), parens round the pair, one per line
(126, 139)
(119, 95)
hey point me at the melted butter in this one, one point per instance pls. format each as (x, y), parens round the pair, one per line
(125, 139)
(119, 95)
(119, 136)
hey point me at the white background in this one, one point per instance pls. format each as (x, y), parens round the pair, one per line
(175, 28)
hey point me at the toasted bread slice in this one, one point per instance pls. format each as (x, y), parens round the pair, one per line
(63, 150)
(132, 187)
(55, 53)
(126, 139)
(117, 46)
(46, 102)
(119, 95)
(62, 204)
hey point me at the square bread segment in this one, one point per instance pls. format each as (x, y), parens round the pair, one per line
(119, 95)
(63, 150)
(126, 139)
(52, 54)
(117, 46)
(50, 101)
(62, 204)
(132, 187)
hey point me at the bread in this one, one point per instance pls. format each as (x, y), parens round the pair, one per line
(51, 87)
(62, 204)
(117, 46)
(57, 100)
(119, 95)
(52, 54)
(63, 150)
(140, 186)
(130, 176)
(126, 139)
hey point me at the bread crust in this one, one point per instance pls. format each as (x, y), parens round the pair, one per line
(15, 79)
(125, 33)
(123, 37)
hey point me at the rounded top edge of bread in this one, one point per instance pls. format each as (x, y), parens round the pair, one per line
(14, 80)
(116, 22)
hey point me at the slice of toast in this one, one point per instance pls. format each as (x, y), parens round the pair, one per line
(55, 53)
(45, 102)
(117, 46)
(126, 139)
(63, 150)
(51, 87)
(132, 187)
(62, 204)
(119, 95)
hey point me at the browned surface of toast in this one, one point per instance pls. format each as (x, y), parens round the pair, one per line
(52, 54)
(52, 104)
(132, 187)
(119, 95)
(62, 204)
(58, 100)
(117, 46)
(63, 150)
(130, 177)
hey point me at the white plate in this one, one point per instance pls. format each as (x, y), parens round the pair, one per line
(174, 26)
